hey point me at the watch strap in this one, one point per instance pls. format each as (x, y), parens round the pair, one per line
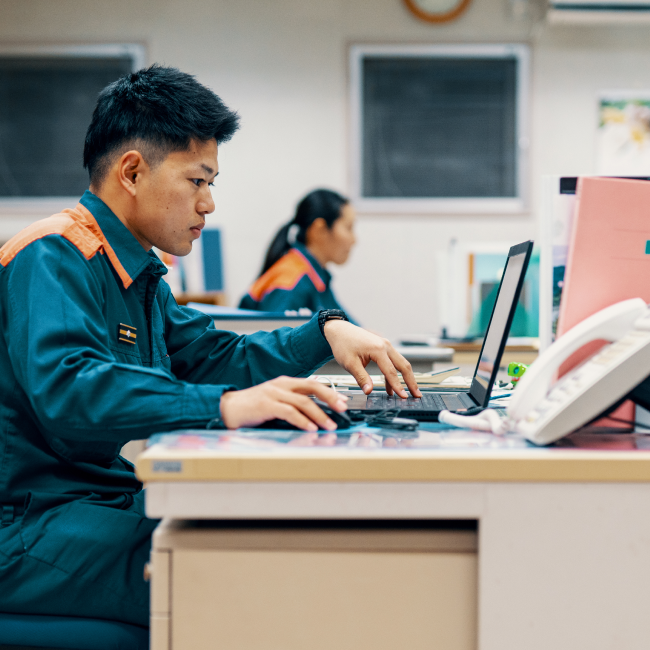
(330, 314)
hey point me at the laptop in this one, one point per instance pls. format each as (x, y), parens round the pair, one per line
(427, 407)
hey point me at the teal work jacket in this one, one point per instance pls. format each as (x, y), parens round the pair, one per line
(94, 352)
(294, 282)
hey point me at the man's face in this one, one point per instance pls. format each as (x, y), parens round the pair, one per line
(173, 198)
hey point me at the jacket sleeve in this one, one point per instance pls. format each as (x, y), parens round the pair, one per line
(54, 325)
(199, 353)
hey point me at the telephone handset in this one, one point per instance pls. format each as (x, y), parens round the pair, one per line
(544, 413)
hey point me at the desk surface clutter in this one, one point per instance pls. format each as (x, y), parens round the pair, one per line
(433, 453)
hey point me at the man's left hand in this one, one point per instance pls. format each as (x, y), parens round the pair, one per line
(354, 348)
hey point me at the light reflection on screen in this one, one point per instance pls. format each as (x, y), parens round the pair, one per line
(499, 321)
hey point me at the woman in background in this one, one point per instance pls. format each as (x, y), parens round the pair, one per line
(294, 274)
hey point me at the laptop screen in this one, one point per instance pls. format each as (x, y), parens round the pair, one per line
(502, 314)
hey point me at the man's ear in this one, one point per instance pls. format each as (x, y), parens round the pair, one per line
(130, 168)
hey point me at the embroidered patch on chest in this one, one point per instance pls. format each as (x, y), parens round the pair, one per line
(127, 333)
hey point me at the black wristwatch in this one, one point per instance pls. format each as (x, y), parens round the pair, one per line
(330, 314)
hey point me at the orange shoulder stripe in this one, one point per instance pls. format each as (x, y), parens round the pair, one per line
(285, 274)
(59, 224)
(78, 226)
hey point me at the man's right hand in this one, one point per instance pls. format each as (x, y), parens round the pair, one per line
(284, 398)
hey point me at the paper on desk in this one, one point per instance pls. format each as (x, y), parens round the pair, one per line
(457, 381)
(423, 379)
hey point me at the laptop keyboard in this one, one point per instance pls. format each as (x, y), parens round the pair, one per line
(428, 402)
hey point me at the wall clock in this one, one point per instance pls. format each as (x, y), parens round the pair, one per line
(437, 11)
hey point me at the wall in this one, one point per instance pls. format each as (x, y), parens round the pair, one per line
(283, 66)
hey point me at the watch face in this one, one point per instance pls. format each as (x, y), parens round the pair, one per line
(437, 11)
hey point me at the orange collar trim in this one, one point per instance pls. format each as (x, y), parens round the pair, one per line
(87, 216)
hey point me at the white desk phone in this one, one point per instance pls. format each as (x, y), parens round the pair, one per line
(544, 411)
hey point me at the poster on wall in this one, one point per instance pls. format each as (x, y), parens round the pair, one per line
(623, 147)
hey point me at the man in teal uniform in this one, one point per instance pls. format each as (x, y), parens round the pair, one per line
(94, 352)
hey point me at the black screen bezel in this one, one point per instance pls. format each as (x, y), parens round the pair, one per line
(477, 392)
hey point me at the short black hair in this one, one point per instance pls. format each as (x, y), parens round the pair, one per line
(156, 110)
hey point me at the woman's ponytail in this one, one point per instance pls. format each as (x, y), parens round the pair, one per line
(279, 246)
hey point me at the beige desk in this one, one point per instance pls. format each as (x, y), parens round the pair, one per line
(561, 559)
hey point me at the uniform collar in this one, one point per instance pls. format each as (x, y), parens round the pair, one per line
(133, 258)
(323, 273)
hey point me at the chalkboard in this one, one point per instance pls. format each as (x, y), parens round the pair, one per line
(46, 103)
(439, 127)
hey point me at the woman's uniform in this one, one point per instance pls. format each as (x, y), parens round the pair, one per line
(94, 352)
(294, 282)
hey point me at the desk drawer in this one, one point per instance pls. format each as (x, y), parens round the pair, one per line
(323, 589)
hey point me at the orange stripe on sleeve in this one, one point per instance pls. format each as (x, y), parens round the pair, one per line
(285, 274)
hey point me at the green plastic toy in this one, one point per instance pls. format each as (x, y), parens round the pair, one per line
(516, 371)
